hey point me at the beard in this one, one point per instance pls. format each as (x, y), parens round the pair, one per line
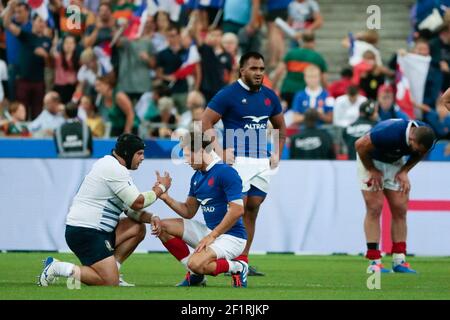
(253, 84)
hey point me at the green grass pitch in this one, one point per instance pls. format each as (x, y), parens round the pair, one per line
(287, 277)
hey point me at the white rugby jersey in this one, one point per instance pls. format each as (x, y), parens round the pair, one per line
(96, 204)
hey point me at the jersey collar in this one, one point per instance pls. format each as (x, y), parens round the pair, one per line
(408, 129)
(243, 85)
(212, 164)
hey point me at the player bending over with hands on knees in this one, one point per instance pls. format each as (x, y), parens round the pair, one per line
(217, 188)
(383, 171)
(94, 232)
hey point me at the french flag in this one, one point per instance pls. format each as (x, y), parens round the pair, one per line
(403, 93)
(189, 63)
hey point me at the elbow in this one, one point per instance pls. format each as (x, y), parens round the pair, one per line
(138, 204)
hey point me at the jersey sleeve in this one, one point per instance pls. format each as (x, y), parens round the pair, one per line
(219, 102)
(297, 103)
(277, 109)
(231, 183)
(191, 188)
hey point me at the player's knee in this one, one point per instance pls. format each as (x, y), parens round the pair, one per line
(142, 230)
(374, 209)
(111, 281)
(195, 266)
(399, 213)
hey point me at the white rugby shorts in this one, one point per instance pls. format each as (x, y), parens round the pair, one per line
(225, 246)
(389, 171)
(254, 171)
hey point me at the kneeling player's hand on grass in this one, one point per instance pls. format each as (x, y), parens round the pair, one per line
(156, 226)
(402, 178)
(205, 242)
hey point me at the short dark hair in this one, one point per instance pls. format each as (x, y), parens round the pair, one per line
(311, 117)
(192, 141)
(308, 37)
(248, 55)
(425, 136)
(71, 110)
(347, 72)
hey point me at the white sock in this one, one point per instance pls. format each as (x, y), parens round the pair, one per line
(63, 269)
(118, 265)
(377, 261)
(184, 262)
(398, 258)
(235, 266)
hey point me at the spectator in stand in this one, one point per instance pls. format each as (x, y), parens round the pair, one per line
(275, 37)
(368, 115)
(168, 62)
(369, 75)
(230, 44)
(16, 126)
(293, 66)
(361, 43)
(93, 119)
(158, 92)
(136, 60)
(99, 35)
(162, 23)
(195, 100)
(346, 108)
(313, 96)
(34, 52)
(339, 87)
(304, 15)
(66, 67)
(440, 60)
(242, 17)
(21, 18)
(73, 138)
(157, 38)
(216, 63)
(166, 121)
(50, 118)
(116, 107)
(91, 68)
(312, 143)
(102, 32)
(64, 16)
(439, 120)
(387, 108)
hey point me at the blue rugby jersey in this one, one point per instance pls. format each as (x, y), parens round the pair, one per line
(245, 115)
(390, 138)
(214, 189)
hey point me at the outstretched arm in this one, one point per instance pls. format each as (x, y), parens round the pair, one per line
(363, 147)
(186, 209)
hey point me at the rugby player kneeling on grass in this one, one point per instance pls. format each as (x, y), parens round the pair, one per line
(217, 188)
(94, 232)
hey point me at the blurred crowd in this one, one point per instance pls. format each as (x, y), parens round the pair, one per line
(150, 67)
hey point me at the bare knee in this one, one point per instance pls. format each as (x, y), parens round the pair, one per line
(141, 231)
(374, 209)
(110, 281)
(195, 266)
(399, 213)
